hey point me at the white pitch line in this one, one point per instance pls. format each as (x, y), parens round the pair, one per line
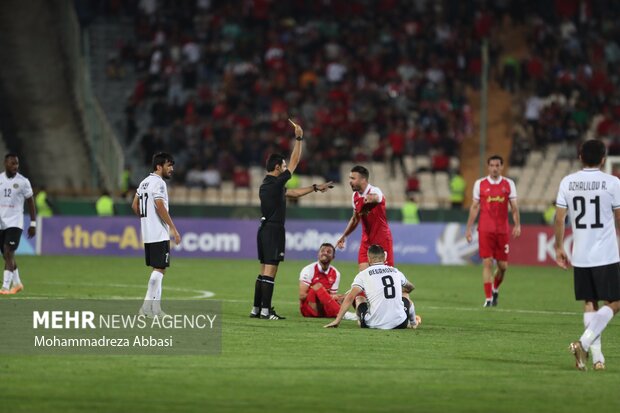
(423, 308)
(209, 294)
(201, 293)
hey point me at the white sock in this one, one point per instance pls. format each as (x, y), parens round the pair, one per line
(157, 301)
(596, 326)
(264, 311)
(595, 347)
(151, 292)
(16, 279)
(6, 281)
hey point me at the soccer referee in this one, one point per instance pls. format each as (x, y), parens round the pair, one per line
(271, 235)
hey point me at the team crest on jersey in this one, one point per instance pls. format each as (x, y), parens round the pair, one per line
(15, 186)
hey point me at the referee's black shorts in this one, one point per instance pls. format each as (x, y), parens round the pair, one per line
(270, 241)
(597, 283)
(157, 254)
(10, 238)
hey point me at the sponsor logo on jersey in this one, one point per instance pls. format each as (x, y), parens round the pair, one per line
(496, 199)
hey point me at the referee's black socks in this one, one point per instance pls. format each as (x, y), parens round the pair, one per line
(267, 284)
(257, 293)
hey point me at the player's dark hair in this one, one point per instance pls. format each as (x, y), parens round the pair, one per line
(376, 250)
(327, 244)
(10, 155)
(274, 160)
(495, 157)
(592, 152)
(361, 170)
(161, 158)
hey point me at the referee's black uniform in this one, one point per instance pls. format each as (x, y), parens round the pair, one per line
(270, 239)
(271, 234)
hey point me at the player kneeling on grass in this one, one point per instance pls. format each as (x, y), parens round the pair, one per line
(385, 304)
(318, 286)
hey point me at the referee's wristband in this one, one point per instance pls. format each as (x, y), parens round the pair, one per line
(33, 224)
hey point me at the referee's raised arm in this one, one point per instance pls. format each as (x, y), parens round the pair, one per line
(296, 154)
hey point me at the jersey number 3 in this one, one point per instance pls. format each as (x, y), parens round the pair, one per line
(388, 286)
(142, 201)
(579, 205)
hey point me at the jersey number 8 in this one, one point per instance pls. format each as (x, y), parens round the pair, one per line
(388, 286)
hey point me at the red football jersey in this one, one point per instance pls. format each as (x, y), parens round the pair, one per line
(313, 274)
(375, 227)
(494, 198)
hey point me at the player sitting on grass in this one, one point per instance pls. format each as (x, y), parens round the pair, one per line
(318, 286)
(384, 304)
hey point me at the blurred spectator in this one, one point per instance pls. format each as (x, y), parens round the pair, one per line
(105, 205)
(409, 211)
(43, 204)
(413, 184)
(457, 190)
(549, 214)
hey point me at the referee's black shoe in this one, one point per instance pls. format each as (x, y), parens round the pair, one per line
(272, 315)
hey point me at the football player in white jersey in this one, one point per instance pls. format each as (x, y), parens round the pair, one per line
(14, 189)
(383, 304)
(591, 199)
(151, 205)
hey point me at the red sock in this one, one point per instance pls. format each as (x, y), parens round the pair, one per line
(305, 308)
(488, 290)
(330, 305)
(497, 281)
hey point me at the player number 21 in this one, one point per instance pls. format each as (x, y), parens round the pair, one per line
(579, 205)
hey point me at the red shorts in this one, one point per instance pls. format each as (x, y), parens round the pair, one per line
(387, 246)
(493, 245)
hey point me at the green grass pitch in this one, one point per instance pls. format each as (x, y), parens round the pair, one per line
(463, 358)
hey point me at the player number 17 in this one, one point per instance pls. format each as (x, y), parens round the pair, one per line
(143, 198)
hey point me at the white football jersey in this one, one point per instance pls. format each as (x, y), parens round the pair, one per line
(13, 192)
(382, 285)
(590, 197)
(154, 229)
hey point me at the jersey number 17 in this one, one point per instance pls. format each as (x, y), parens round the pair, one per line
(142, 200)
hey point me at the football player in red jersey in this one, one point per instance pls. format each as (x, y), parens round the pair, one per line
(492, 194)
(368, 207)
(318, 285)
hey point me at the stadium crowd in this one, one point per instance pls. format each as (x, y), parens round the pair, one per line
(568, 84)
(369, 80)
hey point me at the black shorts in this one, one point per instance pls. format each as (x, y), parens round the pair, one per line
(157, 254)
(270, 241)
(362, 310)
(597, 283)
(10, 237)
